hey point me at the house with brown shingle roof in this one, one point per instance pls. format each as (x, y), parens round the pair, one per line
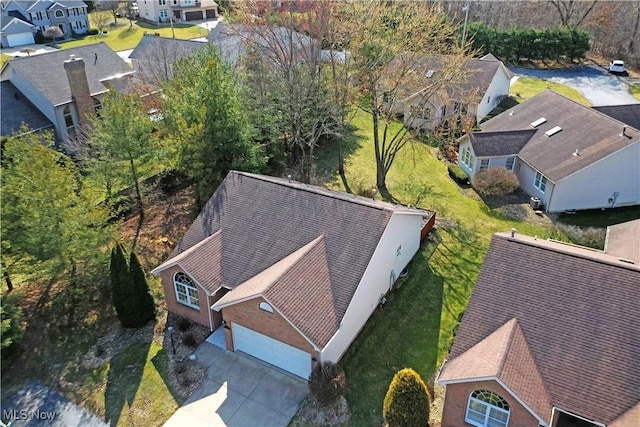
(568, 156)
(448, 90)
(550, 337)
(288, 272)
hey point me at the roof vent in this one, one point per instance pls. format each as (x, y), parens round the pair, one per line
(538, 122)
(577, 152)
(552, 131)
(430, 73)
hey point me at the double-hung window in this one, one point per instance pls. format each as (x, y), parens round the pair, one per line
(510, 162)
(186, 291)
(540, 182)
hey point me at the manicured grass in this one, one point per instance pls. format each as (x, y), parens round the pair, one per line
(414, 329)
(527, 87)
(634, 89)
(4, 58)
(130, 390)
(601, 218)
(122, 37)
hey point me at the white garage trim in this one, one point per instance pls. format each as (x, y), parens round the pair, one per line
(20, 39)
(272, 351)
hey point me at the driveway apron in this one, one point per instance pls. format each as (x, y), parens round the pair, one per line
(239, 391)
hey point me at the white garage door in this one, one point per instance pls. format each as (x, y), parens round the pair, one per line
(272, 351)
(20, 39)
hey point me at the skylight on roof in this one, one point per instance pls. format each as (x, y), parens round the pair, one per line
(430, 73)
(553, 131)
(538, 122)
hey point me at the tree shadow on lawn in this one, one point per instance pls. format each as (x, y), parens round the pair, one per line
(161, 363)
(125, 375)
(328, 152)
(402, 333)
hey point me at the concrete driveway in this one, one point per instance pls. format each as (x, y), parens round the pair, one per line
(595, 83)
(239, 391)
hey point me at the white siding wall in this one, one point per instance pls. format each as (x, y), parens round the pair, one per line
(402, 230)
(527, 175)
(591, 188)
(498, 88)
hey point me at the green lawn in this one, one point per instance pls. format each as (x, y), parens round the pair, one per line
(122, 37)
(527, 87)
(131, 389)
(4, 58)
(414, 328)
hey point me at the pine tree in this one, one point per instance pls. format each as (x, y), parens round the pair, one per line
(407, 401)
(146, 307)
(123, 295)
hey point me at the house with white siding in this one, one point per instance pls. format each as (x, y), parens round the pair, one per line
(568, 156)
(69, 15)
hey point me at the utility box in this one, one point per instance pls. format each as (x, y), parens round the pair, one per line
(535, 203)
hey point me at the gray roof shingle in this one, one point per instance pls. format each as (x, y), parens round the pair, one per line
(576, 309)
(18, 110)
(491, 144)
(629, 114)
(47, 74)
(593, 134)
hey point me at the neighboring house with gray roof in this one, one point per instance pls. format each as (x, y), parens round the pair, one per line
(568, 156)
(483, 84)
(629, 114)
(18, 111)
(70, 16)
(549, 338)
(291, 271)
(16, 32)
(153, 57)
(60, 95)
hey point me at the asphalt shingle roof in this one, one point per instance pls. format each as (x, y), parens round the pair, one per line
(491, 144)
(264, 220)
(47, 74)
(629, 114)
(593, 134)
(18, 110)
(576, 309)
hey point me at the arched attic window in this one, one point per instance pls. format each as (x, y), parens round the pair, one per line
(266, 307)
(186, 291)
(486, 408)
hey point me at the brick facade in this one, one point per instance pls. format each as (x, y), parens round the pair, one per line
(273, 325)
(200, 316)
(457, 397)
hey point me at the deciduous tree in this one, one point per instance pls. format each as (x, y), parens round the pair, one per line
(389, 42)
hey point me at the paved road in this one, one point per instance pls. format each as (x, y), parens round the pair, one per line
(597, 85)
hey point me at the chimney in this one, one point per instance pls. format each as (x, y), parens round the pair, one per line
(79, 85)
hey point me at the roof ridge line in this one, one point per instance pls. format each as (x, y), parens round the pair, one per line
(312, 244)
(509, 343)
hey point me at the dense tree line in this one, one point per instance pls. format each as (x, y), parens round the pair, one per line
(515, 44)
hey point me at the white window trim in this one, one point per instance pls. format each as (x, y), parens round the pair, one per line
(489, 407)
(187, 286)
(513, 162)
(540, 182)
(484, 164)
(467, 158)
(265, 306)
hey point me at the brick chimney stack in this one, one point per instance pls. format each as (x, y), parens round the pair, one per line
(80, 93)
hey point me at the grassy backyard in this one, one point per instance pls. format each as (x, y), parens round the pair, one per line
(122, 37)
(527, 87)
(414, 328)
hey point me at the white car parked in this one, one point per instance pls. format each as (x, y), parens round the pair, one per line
(616, 66)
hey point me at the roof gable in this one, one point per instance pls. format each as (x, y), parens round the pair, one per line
(16, 25)
(46, 72)
(573, 306)
(500, 143)
(593, 134)
(22, 111)
(504, 355)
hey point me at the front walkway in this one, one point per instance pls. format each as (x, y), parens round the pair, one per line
(240, 391)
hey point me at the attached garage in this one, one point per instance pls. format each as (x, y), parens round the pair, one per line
(212, 14)
(272, 351)
(20, 39)
(193, 16)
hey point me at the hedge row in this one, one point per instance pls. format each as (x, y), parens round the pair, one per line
(515, 44)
